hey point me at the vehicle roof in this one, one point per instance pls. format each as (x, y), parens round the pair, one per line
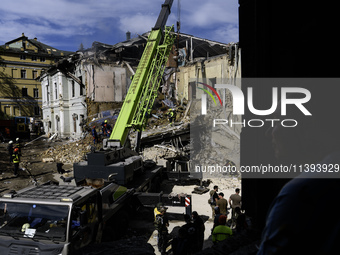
(50, 192)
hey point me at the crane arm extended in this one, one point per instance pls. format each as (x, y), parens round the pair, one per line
(144, 86)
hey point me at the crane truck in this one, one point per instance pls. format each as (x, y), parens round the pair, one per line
(62, 218)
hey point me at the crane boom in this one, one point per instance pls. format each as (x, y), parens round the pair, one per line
(144, 86)
(117, 159)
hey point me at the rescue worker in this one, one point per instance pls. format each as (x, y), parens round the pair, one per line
(104, 127)
(108, 129)
(162, 224)
(94, 135)
(221, 232)
(199, 223)
(10, 150)
(18, 145)
(172, 116)
(16, 161)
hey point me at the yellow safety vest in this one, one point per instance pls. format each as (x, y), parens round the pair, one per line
(220, 233)
(16, 158)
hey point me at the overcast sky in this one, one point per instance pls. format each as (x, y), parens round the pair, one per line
(65, 24)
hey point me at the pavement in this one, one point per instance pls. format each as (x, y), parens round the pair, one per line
(199, 204)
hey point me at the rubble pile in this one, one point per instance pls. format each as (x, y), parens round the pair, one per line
(156, 153)
(69, 153)
(214, 146)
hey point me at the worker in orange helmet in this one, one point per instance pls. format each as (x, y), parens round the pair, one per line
(16, 161)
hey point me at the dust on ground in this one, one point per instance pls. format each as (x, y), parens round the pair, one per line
(31, 168)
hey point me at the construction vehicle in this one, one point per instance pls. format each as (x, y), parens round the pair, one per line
(15, 127)
(52, 219)
(61, 219)
(117, 159)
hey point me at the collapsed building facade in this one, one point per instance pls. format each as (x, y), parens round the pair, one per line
(88, 82)
(97, 79)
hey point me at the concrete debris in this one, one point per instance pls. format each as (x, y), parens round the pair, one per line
(47, 160)
(217, 147)
(158, 125)
(68, 153)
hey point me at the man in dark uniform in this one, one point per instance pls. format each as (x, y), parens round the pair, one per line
(162, 224)
(197, 220)
(16, 160)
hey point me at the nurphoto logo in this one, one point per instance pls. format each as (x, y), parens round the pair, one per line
(239, 104)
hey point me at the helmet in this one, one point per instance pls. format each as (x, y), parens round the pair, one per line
(162, 209)
(10, 142)
(105, 121)
(16, 149)
(24, 227)
(17, 139)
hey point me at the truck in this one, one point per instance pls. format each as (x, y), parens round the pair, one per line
(14, 127)
(63, 218)
(54, 219)
(60, 219)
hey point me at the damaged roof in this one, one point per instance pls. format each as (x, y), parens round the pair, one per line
(133, 48)
(203, 46)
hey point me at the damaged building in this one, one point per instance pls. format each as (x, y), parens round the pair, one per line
(86, 83)
(97, 79)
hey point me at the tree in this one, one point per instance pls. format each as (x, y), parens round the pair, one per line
(7, 85)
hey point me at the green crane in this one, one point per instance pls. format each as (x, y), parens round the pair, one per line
(118, 160)
(145, 83)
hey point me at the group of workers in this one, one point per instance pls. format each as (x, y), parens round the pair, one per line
(190, 236)
(223, 228)
(106, 131)
(14, 152)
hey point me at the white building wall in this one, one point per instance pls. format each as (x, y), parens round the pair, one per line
(64, 109)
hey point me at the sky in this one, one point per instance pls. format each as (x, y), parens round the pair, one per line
(65, 24)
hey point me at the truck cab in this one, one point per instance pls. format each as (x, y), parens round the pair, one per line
(52, 219)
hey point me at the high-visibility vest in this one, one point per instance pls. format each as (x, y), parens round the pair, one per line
(15, 158)
(220, 233)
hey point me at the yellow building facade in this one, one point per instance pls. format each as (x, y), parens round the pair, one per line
(24, 59)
